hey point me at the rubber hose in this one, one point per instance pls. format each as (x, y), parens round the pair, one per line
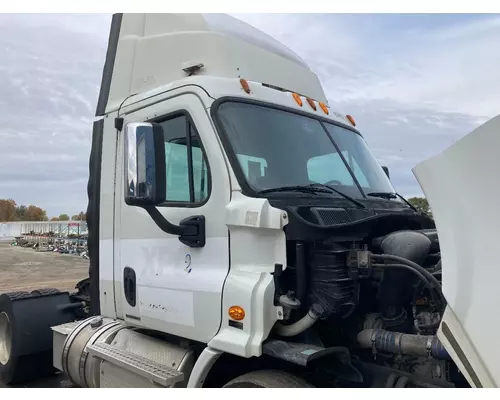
(402, 343)
(419, 268)
(402, 382)
(302, 324)
(421, 276)
(403, 260)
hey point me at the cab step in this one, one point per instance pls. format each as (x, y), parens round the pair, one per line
(142, 366)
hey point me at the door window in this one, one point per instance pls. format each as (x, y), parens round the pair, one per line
(186, 166)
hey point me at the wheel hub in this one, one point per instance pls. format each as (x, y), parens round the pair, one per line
(5, 338)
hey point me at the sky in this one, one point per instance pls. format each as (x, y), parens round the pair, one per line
(414, 83)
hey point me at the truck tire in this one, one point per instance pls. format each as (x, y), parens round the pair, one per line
(268, 379)
(25, 334)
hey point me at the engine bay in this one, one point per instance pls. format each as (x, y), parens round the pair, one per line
(368, 290)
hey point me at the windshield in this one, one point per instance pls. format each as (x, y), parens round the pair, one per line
(278, 148)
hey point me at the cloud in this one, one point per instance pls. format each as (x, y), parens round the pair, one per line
(50, 73)
(447, 66)
(415, 84)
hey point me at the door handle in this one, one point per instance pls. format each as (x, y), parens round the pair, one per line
(129, 286)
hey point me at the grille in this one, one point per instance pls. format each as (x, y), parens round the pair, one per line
(331, 216)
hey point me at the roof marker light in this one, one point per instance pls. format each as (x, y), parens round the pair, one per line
(245, 86)
(351, 120)
(324, 108)
(297, 99)
(312, 103)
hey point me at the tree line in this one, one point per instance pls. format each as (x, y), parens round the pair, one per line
(10, 211)
(421, 204)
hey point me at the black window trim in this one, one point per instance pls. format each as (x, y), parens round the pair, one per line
(233, 159)
(353, 176)
(191, 130)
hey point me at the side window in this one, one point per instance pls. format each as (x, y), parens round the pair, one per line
(186, 165)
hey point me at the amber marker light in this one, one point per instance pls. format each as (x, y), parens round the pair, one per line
(351, 120)
(324, 108)
(312, 103)
(245, 86)
(297, 99)
(236, 312)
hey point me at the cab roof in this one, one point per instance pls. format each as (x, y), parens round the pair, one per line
(148, 51)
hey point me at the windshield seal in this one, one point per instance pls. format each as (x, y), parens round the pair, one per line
(231, 154)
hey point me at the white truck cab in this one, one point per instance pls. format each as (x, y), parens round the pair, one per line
(208, 90)
(241, 233)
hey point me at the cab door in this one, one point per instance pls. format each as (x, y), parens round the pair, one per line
(162, 283)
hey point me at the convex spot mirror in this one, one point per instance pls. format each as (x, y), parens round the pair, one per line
(145, 181)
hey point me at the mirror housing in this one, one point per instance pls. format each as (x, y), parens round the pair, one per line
(145, 175)
(145, 181)
(386, 170)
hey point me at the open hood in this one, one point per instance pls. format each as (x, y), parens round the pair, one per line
(462, 185)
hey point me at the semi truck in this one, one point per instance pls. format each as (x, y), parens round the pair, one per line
(243, 235)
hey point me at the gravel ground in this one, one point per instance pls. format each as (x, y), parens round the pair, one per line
(24, 269)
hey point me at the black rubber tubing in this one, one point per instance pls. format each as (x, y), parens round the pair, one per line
(432, 279)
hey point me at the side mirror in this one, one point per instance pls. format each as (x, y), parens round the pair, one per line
(386, 170)
(145, 180)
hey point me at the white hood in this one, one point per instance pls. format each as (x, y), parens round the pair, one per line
(462, 185)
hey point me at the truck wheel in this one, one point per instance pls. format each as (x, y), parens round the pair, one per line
(268, 379)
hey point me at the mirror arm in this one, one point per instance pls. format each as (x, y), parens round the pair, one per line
(162, 222)
(191, 230)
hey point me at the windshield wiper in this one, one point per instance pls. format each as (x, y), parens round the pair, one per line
(313, 188)
(295, 188)
(345, 196)
(389, 196)
(383, 195)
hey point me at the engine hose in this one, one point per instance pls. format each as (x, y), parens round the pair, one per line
(315, 312)
(402, 343)
(391, 380)
(421, 276)
(416, 272)
(422, 270)
(402, 382)
(396, 381)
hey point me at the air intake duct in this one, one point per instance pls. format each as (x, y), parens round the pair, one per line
(329, 285)
(395, 291)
